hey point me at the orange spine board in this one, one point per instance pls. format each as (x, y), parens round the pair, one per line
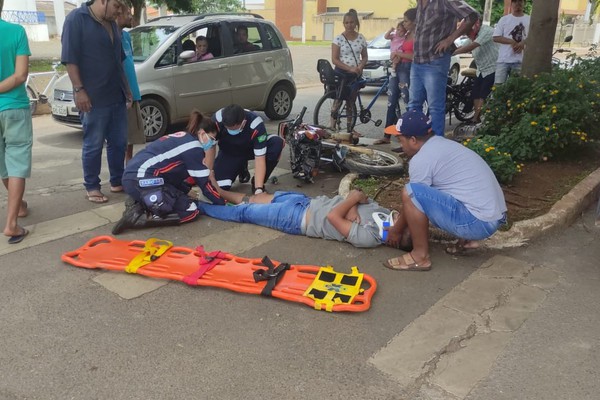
(232, 272)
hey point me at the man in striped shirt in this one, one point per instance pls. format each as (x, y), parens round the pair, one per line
(435, 34)
(485, 54)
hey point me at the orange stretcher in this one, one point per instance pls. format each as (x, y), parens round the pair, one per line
(318, 287)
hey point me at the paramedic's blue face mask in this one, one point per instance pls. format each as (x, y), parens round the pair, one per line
(237, 131)
(209, 141)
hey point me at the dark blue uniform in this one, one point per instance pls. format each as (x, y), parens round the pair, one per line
(173, 158)
(235, 150)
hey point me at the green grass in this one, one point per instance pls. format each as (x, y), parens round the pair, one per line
(43, 65)
(369, 186)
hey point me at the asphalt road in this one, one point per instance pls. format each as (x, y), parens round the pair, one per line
(513, 324)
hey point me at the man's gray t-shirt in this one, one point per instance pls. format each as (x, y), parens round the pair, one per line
(460, 172)
(365, 234)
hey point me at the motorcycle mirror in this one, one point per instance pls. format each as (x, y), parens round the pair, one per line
(568, 38)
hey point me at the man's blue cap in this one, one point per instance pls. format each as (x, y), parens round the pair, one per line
(411, 123)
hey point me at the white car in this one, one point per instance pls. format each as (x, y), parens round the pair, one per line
(379, 50)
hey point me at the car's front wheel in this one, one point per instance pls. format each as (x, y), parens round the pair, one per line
(155, 118)
(279, 103)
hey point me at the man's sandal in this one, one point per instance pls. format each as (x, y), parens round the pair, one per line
(96, 196)
(406, 262)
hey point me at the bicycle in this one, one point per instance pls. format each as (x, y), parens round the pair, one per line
(458, 96)
(333, 109)
(312, 146)
(34, 94)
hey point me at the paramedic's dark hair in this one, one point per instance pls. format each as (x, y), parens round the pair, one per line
(233, 115)
(198, 121)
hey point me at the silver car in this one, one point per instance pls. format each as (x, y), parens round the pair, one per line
(259, 77)
(379, 50)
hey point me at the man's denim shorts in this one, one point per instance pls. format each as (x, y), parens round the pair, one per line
(16, 136)
(449, 214)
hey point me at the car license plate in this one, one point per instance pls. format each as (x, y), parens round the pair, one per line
(366, 74)
(59, 110)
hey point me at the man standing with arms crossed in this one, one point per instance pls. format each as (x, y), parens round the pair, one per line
(16, 133)
(92, 52)
(434, 43)
(511, 32)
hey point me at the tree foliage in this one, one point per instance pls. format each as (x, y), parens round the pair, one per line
(593, 9)
(497, 8)
(200, 6)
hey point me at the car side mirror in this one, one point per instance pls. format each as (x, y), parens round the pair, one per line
(185, 56)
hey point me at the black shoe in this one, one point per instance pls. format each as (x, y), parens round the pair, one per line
(244, 175)
(133, 212)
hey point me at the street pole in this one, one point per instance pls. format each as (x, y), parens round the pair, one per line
(303, 21)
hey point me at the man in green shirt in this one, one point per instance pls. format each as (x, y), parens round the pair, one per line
(16, 130)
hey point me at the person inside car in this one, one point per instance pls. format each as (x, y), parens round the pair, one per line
(242, 45)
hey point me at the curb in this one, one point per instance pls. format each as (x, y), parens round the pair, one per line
(562, 214)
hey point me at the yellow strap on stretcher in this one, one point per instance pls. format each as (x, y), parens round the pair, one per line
(153, 249)
(330, 288)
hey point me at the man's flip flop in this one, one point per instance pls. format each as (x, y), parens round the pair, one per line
(406, 262)
(96, 197)
(18, 238)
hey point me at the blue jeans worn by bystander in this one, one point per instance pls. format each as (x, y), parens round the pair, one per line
(504, 70)
(104, 124)
(449, 214)
(397, 91)
(285, 213)
(428, 82)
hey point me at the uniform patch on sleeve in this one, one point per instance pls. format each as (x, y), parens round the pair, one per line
(262, 138)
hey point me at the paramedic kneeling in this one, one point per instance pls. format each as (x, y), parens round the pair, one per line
(155, 177)
(242, 136)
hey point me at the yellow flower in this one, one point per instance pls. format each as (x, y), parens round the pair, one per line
(543, 106)
(533, 123)
(493, 88)
(547, 129)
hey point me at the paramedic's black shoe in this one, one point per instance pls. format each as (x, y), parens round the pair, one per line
(136, 218)
(244, 175)
(133, 212)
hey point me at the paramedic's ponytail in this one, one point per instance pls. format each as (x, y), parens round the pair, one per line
(199, 121)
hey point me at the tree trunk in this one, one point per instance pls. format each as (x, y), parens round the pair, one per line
(138, 5)
(540, 39)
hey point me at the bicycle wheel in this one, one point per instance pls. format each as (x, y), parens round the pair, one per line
(337, 115)
(377, 164)
(32, 99)
(463, 107)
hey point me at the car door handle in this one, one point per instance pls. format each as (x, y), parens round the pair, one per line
(223, 65)
(269, 59)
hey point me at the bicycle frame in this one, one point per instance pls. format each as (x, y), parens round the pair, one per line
(348, 112)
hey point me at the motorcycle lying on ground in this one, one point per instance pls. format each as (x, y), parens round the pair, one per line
(313, 146)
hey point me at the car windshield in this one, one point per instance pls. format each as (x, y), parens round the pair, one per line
(380, 42)
(146, 39)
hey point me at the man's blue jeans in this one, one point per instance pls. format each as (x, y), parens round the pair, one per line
(104, 124)
(284, 213)
(428, 82)
(449, 214)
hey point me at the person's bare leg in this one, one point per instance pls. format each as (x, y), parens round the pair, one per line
(128, 153)
(477, 105)
(418, 225)
(23, 211)
(16, 188)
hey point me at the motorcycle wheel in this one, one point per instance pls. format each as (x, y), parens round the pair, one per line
(378, 164)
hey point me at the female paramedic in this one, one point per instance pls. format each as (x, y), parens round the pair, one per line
(155, 177)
